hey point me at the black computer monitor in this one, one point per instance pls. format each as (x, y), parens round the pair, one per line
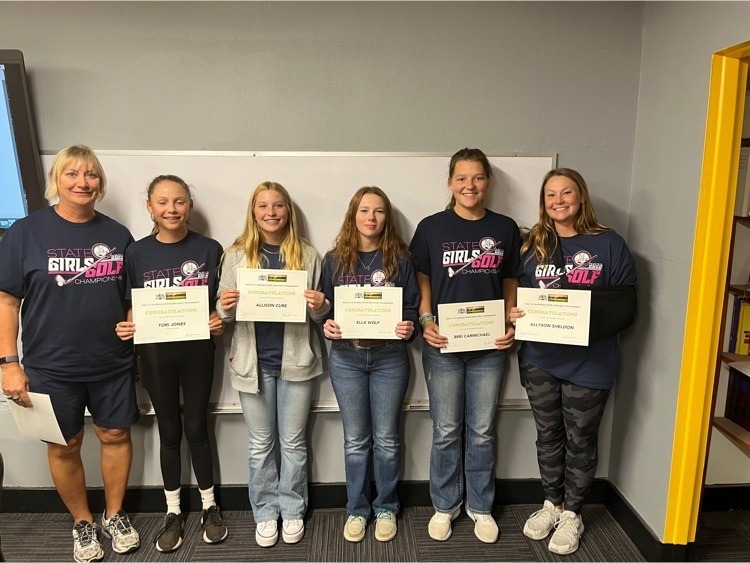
(21, 179)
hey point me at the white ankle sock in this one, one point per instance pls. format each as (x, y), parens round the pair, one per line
(207, 497)
(173, 501)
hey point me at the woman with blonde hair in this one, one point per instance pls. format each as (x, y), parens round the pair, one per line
(65, 264)
(370, 377)
(568, 386)
(273, 364)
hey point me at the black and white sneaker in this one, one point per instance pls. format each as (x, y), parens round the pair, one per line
(86, 546)
(169, 538)
(214, 529)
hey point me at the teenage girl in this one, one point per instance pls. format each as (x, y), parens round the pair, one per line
(568, 386)
(273, 364)
(370, 377)
(174, 256)
(465, 253)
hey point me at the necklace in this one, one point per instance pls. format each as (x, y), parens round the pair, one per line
(265, 249)
(371, 261)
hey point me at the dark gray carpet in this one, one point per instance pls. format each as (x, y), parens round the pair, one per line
(722, 536)
(47, 537)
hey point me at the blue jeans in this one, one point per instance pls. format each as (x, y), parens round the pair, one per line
(370, 386)
(280, 409)
(464, 389)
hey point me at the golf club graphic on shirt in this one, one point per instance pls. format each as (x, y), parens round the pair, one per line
(494, 245)
(100, 250)
(191, 269)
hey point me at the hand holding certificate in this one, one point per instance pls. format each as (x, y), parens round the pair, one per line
(367, 312)
(170, 314)
(471, 326)
(271, 295)
(556, 316)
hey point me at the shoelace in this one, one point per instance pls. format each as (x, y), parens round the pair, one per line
(568, 525)
(121, 524)
(212, 517)
(265, 527)
(383, 514)
(86, 533)
(169, 524)
(549, 512)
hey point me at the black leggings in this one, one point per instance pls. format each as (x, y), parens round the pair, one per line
(164, 368)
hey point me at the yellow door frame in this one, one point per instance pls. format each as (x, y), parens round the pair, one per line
(708, 274)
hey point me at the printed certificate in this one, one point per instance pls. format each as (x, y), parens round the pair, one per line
(557, 316)
(368, 312)
(169, 314)
(471, 326)
(272, 295)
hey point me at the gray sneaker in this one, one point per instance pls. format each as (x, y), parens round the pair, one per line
(169, 538)
(214, 529)
(86, 546)
(124, 537)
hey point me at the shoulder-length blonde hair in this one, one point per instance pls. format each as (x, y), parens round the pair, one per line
(542, 237)
(250, 240)
(345, 247)
(75, 153)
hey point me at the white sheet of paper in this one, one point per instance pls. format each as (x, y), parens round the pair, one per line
(556, 316)
(38, 421)
(170, 314)
(368, 312)
(272, 295)
(473, 325)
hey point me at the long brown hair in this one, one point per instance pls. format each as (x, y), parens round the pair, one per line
(542, 237)
(250, 240)
(471, 155)
(346, 244)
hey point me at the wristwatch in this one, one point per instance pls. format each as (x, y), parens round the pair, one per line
(8, 359)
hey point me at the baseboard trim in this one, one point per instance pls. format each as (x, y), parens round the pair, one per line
(411, 493)
(725, 497)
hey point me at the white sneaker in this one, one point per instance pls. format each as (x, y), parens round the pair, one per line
(567, 533)
(485, 527)
(267, 533)
(124, 537)
(292, 530)
(540, 524)
(355, 528)
(439, 527)
(86, 546)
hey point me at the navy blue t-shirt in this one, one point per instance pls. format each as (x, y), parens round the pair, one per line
(70, 278)
(590, 261)
(269, 336)
(467, 260)
(370, 272)
(193, 261)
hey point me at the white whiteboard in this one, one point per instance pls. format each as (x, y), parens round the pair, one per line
(321, 185)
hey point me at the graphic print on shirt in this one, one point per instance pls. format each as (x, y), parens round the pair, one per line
(376, 278)
(84, 265)
(581, 269)
(471, 257)
(190, 273)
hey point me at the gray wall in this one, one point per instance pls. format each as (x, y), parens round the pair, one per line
(535, 77)
(678, 41)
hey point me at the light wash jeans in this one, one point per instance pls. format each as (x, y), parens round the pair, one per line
(464, 389)
(370, 386)
(279, 410)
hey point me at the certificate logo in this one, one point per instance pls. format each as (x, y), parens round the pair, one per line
(277, 278)
(176, 295)
(372, 295)
(474, 310)
(557, 298)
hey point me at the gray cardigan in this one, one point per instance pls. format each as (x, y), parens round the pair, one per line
(302, 353)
